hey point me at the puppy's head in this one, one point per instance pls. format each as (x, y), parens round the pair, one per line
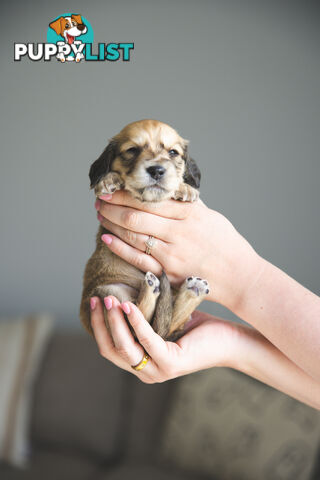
(151, 158)
(69, 27)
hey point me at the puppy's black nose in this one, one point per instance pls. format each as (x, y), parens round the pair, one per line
(156, 171)
(81, 26)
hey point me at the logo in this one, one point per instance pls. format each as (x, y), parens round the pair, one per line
(70, 39)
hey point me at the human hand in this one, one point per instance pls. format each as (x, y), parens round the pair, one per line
(208, 342)
(191, 239)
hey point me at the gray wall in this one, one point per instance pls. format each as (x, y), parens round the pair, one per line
(239, 79)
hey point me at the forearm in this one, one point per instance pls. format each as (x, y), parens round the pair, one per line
(287, 314)
(260, 359)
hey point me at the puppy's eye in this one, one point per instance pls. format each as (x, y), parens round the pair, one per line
(74, 24)
(67, 27)
(173, 153)
(133, 150)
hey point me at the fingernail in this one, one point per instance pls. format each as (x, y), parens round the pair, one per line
(106, 197)
(99, 217)
(93, 303)
(108, 303)
(106, 239)
(97, 204)
(125, 307)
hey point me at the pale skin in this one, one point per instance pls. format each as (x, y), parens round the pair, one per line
(281, 344)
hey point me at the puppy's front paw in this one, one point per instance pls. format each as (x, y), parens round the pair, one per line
(186, 193)
(152, 282)
(196, 286)
(109, 184)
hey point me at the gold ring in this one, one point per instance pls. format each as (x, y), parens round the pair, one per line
(149, 244)
(141, 364)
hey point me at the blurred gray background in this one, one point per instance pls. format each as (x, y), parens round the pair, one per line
(239, 79)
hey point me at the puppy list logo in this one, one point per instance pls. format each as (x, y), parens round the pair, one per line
(70, 39)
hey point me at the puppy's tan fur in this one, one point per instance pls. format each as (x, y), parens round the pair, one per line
(149, 159)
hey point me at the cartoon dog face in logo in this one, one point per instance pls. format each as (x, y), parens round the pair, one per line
(69, 28)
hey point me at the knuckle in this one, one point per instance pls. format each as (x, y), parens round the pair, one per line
(145, 341)
(123, 351)
(130, 237)
(130, 219)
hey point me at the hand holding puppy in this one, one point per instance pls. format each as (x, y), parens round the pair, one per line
(214, 338)
(190, 238)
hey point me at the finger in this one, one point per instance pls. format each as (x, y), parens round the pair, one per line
(138, 221)
(107, 348)
(103, 337)
(125, 345)
(153, 344)
(168, 208)
(132, 255)
(101, 333)
(137, 240)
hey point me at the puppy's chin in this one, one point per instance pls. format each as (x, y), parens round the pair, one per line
(153, 193)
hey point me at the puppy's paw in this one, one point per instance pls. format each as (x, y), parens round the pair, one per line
(152, 282)
(61, 57)
(186, 193)
(196, 286)
(79, 56)
(109, 184)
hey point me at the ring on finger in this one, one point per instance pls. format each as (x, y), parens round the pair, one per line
(150, 243)
(142, 362)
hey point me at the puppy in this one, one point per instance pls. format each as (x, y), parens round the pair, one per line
(69, 28)
(150, 160)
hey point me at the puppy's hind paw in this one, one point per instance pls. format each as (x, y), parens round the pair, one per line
(152, 282)
(196, 286)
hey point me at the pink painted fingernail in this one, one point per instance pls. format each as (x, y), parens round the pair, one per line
(106, 239)
(97, 204)
(108, 303)
(93, 303)
(106, 197)
(100, 217)
(125, 307)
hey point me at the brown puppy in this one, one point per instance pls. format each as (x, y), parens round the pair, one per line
(149, 159)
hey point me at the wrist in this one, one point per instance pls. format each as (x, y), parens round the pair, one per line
(235, 356)
(231, 287)
(253, 269)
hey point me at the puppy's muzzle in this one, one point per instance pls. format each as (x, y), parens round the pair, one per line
(156, 172)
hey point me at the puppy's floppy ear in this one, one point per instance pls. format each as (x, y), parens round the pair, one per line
(57, 25)
(102, 165)
(77, 18)
(192, 174)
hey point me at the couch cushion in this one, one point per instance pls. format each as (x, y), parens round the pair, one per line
(78, 398)
(149, 404)
(226, 423)
(47, 465)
